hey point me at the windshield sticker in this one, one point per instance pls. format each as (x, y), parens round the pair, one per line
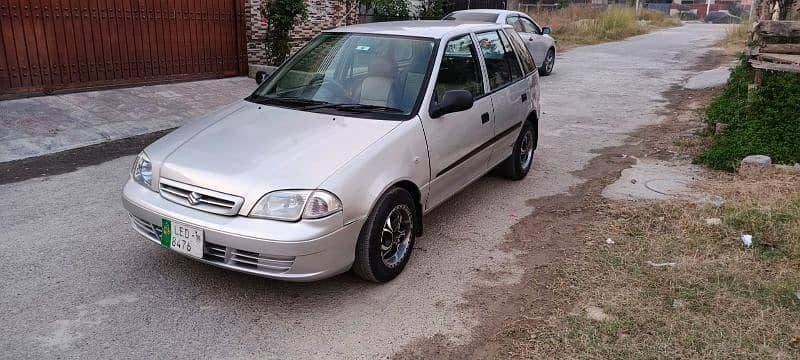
(362, 48)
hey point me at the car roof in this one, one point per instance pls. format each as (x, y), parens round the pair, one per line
(435, 29)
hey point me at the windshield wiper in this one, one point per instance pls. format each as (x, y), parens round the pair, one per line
(355, 108)
(286, 100)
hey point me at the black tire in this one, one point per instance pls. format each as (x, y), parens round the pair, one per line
(548, 63)
(516, 167)
(370, 263)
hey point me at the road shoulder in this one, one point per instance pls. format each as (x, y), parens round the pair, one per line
(560, 230)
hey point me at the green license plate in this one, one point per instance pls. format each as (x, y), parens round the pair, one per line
(183, 238)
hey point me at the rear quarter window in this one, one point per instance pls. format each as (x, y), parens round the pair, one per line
(472, 16)
(525, 57)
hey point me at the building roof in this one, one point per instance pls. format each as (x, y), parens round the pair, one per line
(435, 29)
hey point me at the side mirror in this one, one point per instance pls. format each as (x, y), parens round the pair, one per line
(453, 101)
(260, 77)
(546, 30)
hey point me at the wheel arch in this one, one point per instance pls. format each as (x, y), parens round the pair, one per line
(416, 194)
(533, 118)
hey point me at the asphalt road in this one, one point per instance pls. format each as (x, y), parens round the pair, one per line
(77, 282)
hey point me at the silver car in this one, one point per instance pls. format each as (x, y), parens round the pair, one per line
(538, 39)
(330, 164)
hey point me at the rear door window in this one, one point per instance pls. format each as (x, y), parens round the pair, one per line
(497, 67)
(459, 69)
(515, 22)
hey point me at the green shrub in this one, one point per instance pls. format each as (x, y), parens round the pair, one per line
(764, 120)
(281, 16)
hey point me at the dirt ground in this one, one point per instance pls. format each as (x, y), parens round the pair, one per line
(560, 227)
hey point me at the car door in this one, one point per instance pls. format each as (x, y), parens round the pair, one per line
(457, 141)
(510, 95)
(536, 42)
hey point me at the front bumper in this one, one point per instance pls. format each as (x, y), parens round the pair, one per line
(303, 251)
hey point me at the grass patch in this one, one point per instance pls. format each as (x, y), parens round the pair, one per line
(736, 38)
(580, 25)
(720, 300)
(761, 121)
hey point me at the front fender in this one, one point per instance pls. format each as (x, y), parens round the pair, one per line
(401, 155)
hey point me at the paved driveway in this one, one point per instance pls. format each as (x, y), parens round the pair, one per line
(76, 282)
(47, 124)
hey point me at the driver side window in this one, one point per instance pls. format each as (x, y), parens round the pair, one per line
(530, 26)
(460, 69)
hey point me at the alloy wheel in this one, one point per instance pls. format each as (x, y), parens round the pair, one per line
(526, 150)
(549, 61)
(396, 236)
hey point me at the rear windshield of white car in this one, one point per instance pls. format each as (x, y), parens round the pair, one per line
(352, 73)
(472, 16)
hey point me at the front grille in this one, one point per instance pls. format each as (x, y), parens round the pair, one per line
(220, 254)
(247, 259)
(200, 198)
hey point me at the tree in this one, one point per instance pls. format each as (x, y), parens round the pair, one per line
(281, 16)
(388, 9)
(736, 10)
(430, 9)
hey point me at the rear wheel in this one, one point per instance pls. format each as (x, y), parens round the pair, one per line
(387, 238)
(517, 166)
(549, 63)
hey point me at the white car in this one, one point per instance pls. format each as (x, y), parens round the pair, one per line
(538, 40)
(330, 164)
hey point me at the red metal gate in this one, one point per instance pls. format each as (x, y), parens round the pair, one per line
(49, 45)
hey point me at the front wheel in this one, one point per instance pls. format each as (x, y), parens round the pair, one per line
(549, 63)
(387, 238)
(517, 166)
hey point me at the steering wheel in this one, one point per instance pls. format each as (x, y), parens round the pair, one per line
(329, 90)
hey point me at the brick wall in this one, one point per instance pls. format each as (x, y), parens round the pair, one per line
(322, 15)
(256, 30)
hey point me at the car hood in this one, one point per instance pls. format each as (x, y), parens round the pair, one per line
(249, 150)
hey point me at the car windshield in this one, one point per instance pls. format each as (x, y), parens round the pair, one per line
(472, 16)
(353, 73)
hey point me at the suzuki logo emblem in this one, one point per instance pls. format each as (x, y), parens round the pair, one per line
(194, 198)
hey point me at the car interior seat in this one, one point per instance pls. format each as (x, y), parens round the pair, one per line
(378, 87)
(411, 80)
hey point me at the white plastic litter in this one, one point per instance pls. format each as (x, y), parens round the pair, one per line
(797, 294)
(747, 240)
(609, 241)
(660, 264)
(596, 313)
(713, 221)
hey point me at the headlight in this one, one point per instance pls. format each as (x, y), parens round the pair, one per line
(142, 171)
(291, 205)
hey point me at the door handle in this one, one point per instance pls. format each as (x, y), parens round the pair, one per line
(484, 118)
(525, 97)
